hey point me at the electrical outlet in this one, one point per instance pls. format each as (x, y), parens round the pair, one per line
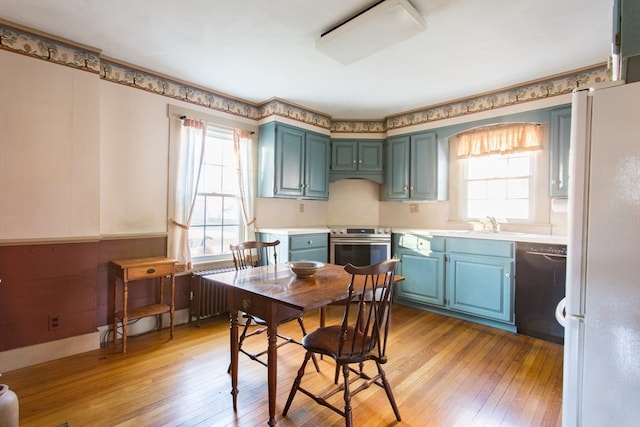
(413, 208)
(54, 322)
(301, 207)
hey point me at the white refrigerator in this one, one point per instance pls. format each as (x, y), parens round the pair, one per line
(601, 384)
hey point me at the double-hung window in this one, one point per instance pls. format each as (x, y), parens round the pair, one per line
(497, 177)
(211, 186)
(216, 217)
(499, 185)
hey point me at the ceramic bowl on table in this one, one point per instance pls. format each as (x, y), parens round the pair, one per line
(304, 268)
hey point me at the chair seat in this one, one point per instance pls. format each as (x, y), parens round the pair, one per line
(327, 341)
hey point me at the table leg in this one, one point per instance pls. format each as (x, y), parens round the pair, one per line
(125, 317)
(272, 367)
(233, 320)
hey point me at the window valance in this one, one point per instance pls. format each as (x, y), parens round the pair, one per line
(500, 139)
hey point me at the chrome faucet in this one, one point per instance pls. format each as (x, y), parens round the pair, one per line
(494, 223)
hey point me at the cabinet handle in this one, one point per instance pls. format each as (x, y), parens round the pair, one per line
(310, 242)
(411, 188)
(360, 161)
(151, 271)
(508, 275)
(354, 161)
(554, 181)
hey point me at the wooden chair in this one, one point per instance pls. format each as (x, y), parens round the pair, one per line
(361, 337)
(252, 254)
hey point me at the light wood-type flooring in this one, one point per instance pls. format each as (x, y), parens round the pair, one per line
(444, 372)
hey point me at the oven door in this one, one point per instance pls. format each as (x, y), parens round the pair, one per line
(359, 252)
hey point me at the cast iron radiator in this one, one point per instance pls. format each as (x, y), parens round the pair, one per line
(207, 298)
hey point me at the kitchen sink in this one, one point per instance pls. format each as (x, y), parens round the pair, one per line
(497, 233)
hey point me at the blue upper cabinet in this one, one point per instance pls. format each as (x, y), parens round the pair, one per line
(316, 166)
(559, 137)
(357, 159)
(416, 168)
(292, 162)
(397, 176)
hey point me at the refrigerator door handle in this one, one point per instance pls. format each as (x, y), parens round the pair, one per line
(561, 313)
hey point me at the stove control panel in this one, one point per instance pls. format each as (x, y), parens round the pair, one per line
(360, 231)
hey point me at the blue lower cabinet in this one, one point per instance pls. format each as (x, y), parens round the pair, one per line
(424, 277)
(481, 286)
(468, 278)
(300, 247)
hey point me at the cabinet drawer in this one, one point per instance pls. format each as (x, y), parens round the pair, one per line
(149, 271)
(306, 241)
(423, 244)
(482, 247)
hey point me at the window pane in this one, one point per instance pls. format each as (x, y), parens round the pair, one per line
(197, 216)
(478, 169)
(518, 188)
(477, 190)
(519, 166)
(229, 180)
(498, 186)
(214, 210)
(517, 209)
(496, 189)
(210, 179)
(231, 211)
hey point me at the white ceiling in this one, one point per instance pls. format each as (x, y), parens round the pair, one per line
(259, 49)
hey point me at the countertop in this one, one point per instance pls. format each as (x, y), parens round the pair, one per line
(294, 231)
(468, 234)
(488, 235)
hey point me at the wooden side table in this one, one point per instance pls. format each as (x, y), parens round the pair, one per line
(127, 270)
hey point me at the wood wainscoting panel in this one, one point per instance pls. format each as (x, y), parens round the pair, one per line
(48, 292)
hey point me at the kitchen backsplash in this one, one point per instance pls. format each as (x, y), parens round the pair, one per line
(356, 202)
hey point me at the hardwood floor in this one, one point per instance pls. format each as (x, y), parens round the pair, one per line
(444, 372)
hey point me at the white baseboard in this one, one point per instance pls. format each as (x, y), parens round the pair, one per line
(39, 353)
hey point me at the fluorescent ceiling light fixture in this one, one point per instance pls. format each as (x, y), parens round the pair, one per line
(382, 25)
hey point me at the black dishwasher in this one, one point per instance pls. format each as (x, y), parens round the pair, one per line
(540, 285)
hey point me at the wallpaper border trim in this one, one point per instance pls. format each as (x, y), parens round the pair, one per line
(17, 39)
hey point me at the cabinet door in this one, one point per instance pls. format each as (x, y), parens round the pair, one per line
(424, 277)
(370, 156)
(559, 137)
(316, 182)
(424, 167)
(344, 156)
(397, 172)
(289, 173)
(481, 285)
(313, 254)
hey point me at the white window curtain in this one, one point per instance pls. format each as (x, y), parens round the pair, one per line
(187, 173)
(500, 139)
(242, 147)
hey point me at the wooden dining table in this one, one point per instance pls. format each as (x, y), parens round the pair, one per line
(274, 293)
